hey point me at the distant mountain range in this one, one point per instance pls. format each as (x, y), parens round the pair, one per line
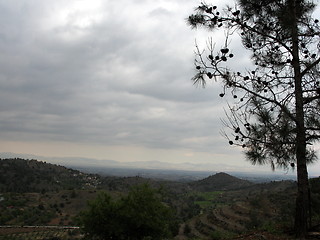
(149, 169)
(90, 162)
(20, 175)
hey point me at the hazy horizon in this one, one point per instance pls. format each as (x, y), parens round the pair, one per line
(86, 163)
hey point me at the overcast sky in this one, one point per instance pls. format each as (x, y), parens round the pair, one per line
(108, 79)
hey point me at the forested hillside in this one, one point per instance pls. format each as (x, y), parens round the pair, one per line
(19, 175)
(220, 181)
(217, 207)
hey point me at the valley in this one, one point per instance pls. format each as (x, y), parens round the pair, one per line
(220, 206)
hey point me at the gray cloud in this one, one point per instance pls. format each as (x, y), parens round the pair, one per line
(120, 75)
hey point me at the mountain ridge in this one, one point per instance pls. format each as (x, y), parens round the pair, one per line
(20, 175)
(23, 175)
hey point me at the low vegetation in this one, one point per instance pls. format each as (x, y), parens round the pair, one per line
(208, 199)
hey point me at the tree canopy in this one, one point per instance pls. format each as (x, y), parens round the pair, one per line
(139, 215)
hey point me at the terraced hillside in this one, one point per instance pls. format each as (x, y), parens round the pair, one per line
(235, 212)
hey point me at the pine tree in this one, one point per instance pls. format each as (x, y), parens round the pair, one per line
(276, 113)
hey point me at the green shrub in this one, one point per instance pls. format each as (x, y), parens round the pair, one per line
(139, 215)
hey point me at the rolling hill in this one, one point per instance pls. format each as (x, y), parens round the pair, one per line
(220, 182)
(19, 175)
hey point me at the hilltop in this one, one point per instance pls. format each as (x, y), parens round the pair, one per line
(220, 182)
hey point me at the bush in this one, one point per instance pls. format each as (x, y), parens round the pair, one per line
(139, 215)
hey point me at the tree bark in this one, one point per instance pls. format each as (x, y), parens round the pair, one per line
(302, 213)
(302, 200)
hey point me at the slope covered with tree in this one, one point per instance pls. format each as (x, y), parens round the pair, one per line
(19, 175)
(219, 182)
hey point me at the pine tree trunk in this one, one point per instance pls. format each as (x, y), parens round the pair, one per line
(302, 200)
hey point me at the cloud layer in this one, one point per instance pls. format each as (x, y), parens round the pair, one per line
(102, 71)
(109, 73)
